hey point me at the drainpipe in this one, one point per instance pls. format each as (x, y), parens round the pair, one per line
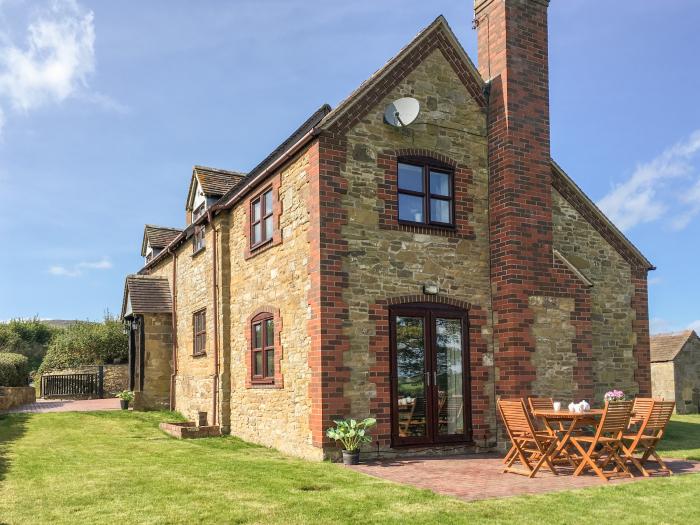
(215, 291)
(173, 375)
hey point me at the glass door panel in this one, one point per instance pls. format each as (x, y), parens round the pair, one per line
(449, 372)
(412, 402)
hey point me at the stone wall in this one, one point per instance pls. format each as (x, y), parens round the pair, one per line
(687, 377)
(12, 396)
(663, 380)
(274, 279)
(194, 382)
(157, 363)
(382, 262)
(612, 314)
(116, 377)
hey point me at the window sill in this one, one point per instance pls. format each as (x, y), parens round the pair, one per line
(430, 226)
(201, 354)
(263, 247)
(202, 249)
(264, 385)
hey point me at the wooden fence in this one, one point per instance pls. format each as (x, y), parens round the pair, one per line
(73, 385)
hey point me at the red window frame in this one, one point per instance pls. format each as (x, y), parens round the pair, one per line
(427, 167)
(199, 332)
(266, 213)
(263, 346)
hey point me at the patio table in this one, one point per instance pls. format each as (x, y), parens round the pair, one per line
(569, 422)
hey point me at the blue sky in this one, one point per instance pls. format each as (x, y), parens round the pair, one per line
(105, 106)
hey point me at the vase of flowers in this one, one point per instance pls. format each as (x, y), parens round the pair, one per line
(614, 395)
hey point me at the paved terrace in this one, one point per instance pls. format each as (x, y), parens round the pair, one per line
(66, 405)
(481, 476)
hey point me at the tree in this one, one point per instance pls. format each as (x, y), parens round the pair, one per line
(27, 337)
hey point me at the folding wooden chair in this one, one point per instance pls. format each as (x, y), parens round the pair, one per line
(640, 409)
(528, 444)
(542, 403)
(605, 446)
(650, 432)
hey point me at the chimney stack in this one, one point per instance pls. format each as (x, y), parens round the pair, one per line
(513, 58)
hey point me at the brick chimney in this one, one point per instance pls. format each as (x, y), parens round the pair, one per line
(512, 41)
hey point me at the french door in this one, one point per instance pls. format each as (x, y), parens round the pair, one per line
(430, 375)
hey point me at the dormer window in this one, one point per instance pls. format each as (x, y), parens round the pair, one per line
(198, 239)
(197, 213)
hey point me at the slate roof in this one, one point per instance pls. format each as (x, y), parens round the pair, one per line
(148, 295)
(216, 182)
(158, 237)
(665, 347)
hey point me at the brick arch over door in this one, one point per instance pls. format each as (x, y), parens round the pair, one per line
(387, 191)
(481, 373)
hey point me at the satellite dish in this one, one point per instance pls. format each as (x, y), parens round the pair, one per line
(401, 112)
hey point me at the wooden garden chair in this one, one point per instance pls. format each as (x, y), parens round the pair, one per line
(650, 432)
(528, 445)
(605, 446)
(640, 409)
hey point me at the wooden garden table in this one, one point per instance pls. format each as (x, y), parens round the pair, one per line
(569, 422)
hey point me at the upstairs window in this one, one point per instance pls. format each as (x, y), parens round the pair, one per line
(198, 239)
(199, 327)
(198, 212)
(263, 348)
(425, 194)
(261, 219)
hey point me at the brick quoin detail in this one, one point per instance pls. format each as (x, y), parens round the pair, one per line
(640, 326)
(329, 312)
(380, 370)
(277, 322)
(388, 193)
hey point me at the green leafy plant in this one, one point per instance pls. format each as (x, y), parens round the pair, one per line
(126, 395)
(351, 433)
(14, 369)
(86, 343)
(29, 337)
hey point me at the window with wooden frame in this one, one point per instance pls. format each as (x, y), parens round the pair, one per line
(197, 213)
(425, 193)
(199, 330)
(262, 339)
(198, 239)
(261, 219)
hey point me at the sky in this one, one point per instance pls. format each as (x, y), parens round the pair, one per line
(105, 107)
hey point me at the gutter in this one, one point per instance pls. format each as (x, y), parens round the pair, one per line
(215, 290)
(173, 375)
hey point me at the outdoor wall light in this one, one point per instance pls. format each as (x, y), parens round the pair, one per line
(430, 289)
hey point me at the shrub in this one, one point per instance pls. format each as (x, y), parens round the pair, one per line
(85, 343)
(14, 369)
(28, 337)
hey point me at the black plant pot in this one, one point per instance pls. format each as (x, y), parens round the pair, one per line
(124, 404)
(351, 457)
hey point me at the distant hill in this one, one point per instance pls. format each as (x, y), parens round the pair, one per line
(60, 323)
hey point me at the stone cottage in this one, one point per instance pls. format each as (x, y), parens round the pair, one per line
(412, 273)
(675, 369)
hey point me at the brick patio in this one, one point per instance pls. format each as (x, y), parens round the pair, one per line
(480, 476)
(66, 405)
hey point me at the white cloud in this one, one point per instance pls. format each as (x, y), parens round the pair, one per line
(652, 281)
(78, 269)
(53, 64)
(695, 325)
(646, 196)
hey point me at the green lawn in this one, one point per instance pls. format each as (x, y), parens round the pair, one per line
(117, 467)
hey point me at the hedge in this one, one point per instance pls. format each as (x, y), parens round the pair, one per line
(29, 337)
(85, 343)
(14, 369)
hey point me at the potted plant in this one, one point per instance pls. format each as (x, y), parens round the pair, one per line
(615, 395)
(125, 397)
(351, 434)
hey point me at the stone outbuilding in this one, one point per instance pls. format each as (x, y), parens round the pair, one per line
(147, 313)
(675, 369)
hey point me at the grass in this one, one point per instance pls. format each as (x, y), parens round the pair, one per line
(117, 467)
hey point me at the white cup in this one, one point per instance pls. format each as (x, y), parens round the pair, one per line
(557, 406)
